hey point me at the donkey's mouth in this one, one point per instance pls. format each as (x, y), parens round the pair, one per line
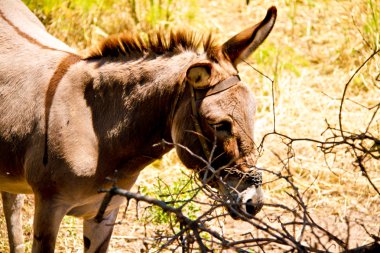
(242, 190)
(238, 213)
(233, 212)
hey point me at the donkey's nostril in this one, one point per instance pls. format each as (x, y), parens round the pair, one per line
(249, 206)
(252, 208)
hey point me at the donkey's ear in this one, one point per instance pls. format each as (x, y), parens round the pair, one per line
(244, 43)
(198, 75)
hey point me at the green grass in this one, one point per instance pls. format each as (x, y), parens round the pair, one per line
(372, 24)
(175, 194)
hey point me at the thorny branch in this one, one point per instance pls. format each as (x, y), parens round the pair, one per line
(294, 229)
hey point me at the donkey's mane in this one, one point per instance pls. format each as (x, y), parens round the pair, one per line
(127, 44)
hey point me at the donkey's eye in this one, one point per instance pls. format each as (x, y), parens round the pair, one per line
(224, 126)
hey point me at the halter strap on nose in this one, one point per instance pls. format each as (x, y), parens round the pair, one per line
(217, 88)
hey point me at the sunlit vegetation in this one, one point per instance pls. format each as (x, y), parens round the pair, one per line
(312, 52)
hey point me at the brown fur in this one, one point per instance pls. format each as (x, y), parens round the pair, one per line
(126, 44)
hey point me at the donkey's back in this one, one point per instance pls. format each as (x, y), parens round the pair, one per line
(17, 19)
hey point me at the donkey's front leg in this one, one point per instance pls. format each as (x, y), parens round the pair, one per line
(97, 235)
(48, 215)
(12, 205)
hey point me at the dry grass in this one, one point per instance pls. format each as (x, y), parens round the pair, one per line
(312, 52)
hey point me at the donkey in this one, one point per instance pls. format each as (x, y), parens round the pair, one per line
(67, 122)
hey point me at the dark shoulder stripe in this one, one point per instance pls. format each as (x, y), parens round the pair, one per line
(59, 73)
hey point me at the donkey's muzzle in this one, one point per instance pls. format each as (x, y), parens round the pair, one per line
(243, 192)
(252, 199)
(247, 204)
(248, 210)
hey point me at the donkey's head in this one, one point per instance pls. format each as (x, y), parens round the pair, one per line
(214, 120)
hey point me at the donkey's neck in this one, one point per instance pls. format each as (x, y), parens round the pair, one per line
(132, 103)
